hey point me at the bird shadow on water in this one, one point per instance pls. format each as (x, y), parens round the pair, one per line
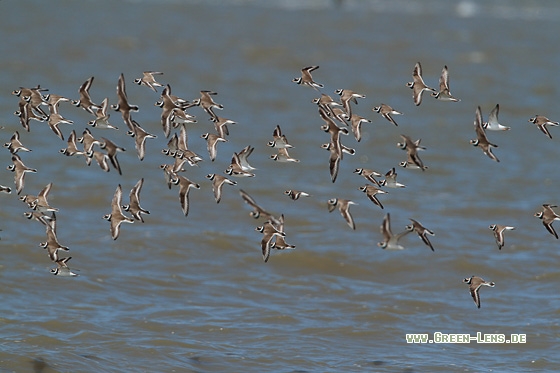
(39, 365)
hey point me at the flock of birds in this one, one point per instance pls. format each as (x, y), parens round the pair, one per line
(337, 117)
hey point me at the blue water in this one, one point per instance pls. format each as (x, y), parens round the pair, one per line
(193, 294)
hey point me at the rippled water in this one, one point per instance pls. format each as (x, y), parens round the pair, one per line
(193, 294)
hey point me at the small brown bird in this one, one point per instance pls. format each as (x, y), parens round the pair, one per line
(280, 242)
(541, 122)
(279, 139)
(15, 145)
(417, 85)
(307, 79)
(218, 182)
(116, 217)
(212, 141)
(72, 148)
(498, 230)
(444, 94)
(421, 231)
(368, 174)
(386, 111)
(148, 80)
(344, 208)
(481, 139)
(184, 186)
(347, 96)
(134, 205)
(123, 105)
(269, 231)
(20, 170)
(258, 211)
(371, 191)
(112, 150)
(140, 135)
(475, 283)
(85, 101)
(295, 194)
(207, 103)
(548, 216)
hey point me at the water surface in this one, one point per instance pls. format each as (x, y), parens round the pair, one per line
(193, 294)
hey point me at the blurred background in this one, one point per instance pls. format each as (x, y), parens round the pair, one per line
(192, 294)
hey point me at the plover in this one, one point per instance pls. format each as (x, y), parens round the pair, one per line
(184, 186)
(386, 111)
(390, 180)
(218, 182)
(49, 221)
(54, 120)
(548, 216)
(221, 125)
(409, 144)
(116, 217)
(52, 245)
(140, 135)
(26, 114)
(280, 241)
(85, 101)
(326, 103)
(541, 122)
(101, 158)
(212, 141)
(15, 145)
(207, 103)
(102, 117)
(413, 160)
(343, 148)
(71, 149)
(133, 206)
(279, 140)
(481, 140)
(493, 124)
(269, 232)
(148, 80)
(54, 101)
(283, 156)
(88, 141)
(41, 204)
(258, 211)
(243, 158)
(122, 104)
(167, 104)
(475, 283)
(307, 79)
(20, 170)
(390, 240)
(112, 150)
(295, 194)
(170, 171)
(498, 230)
(417, 85)
(356, 125)
(183, 150)
(62, 268)
(344, 208)
(368, 174)
(421, 231)
(236, 169)
(347, 96)
(334, 160)
(444, 94)
(371, 191)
